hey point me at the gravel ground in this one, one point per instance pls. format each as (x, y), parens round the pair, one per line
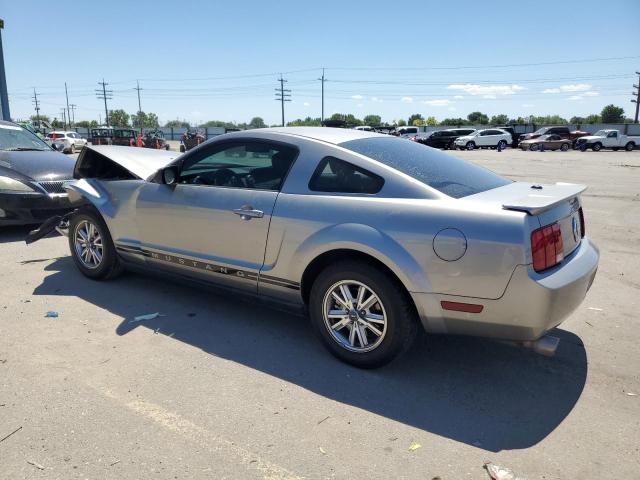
(218, 388)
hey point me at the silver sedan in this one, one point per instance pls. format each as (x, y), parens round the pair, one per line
(374, 236)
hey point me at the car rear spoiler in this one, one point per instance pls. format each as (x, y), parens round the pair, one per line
(544, 197)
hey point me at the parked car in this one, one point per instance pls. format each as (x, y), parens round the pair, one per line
(548, 142)
(32, 175)
(124, 136)
(406, 132)
(564, 132)
(71, 141)
(612, 139)
(512, 131)
(101, 136)
(443, 138)
(489, 137)
(372, 235)
(155, 139)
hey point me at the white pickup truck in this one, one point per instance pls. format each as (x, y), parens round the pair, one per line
(612, 139)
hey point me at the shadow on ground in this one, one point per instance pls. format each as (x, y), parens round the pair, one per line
(474, 391)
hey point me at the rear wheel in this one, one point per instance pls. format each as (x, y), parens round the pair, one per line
(533, 147)
(362, 315)
(564, 147)
(72, 150)
(91, 246)
(596, 147)
(629, 146)
(470, 146)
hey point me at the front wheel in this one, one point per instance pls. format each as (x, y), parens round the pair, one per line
(596, 147)
(361, 314)
(91, 246)
(533, 147)
(564, 147)
(470, 145)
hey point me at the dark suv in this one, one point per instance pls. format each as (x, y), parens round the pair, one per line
(443, 138)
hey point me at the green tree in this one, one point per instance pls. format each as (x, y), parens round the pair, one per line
(144, 120)
(42, 118)
(118, 118)
(257, 122)
(577, 120)
(454, 122)
(372, 120)
(401, 123)
(177, 124)
(416, 117)
(593, 118)
(431, 121)
(612, 114)
(348, 118)
(549, 120)
(501, 119)
(307, 122)
(218, 124)
(56, 124)
(478, 118)
(86, 124)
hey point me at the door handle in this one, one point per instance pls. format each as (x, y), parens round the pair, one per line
(247, 212)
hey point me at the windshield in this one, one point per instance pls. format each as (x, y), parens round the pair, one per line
(540, 131)
(544, 137)
(17, 138)
(600, 133)
(447, 174)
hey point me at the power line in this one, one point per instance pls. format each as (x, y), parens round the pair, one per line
(105, 95)
(283, 95)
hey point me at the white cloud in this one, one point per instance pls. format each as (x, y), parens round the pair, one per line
(577, 87)
(474, 89)
(458, 97)
(441, 102)
(591, 93)
(575, 97)
(406, 100)
(357, 97)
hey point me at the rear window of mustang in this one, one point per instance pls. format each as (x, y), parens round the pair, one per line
(446, 173)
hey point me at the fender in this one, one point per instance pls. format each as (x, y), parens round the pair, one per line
(364, 239)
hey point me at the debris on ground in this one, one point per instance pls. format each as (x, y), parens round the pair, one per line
(35, 464)
(325, 418)
(148, 316)
(414, 446)
(595, 309)
(115, 463)
(497, 472)
(322, 451)
(51, 314)
(15, 431)
(631, 394)
(590, 324)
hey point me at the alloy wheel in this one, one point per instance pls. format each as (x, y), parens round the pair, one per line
(88, 244)
(354, 316)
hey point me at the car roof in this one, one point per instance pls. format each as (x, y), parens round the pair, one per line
(323, 134)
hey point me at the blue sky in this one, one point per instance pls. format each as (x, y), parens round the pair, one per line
(220, 60)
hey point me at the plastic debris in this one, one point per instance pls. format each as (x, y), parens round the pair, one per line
(322, 451)
(631, 394)
(51, 314)
(148, 316)
(497, 472)
(7, 436)
(414, 446)
(35, 464)
(595, 309)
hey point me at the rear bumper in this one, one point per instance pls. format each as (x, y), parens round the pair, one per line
(532, 303)
(31, 208)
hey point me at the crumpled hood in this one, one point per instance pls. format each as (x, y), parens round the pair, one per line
(140, 162)
(590, 137)
(39, 166)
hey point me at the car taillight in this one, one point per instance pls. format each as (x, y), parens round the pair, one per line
(413, 138)
(583, 228)
(546, 247)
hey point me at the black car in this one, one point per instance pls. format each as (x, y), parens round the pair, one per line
(32, 175)
(444, 138)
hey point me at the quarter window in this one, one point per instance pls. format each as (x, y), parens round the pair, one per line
(337, 176)
(256, 165)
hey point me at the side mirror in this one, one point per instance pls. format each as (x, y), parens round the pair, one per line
(170, 175)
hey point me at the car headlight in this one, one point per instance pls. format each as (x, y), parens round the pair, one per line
(14, 185)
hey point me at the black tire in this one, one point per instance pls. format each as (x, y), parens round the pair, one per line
(564, 147)
(182, 149)
(596, 147)
(534, 147)
(629, 146)
(401, 318)
(109, 265)
(470, 146)
(72, 150)
(502, 145)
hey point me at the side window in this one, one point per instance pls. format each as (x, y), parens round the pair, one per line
(613, 135)
(338, 176)
(249, 164)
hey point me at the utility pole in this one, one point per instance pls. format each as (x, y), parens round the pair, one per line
(637, 99)
(283, 95)
(105, 95)
(36, 103)
(64, 118)
(4, 97)
(73, 113)
(138, 89)
(322, 80)
(66, 93)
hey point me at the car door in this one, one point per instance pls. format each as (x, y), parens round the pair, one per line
(611, 140)
(213, 223)
(484, 138)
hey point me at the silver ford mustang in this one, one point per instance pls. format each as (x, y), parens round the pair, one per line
(373, 235)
